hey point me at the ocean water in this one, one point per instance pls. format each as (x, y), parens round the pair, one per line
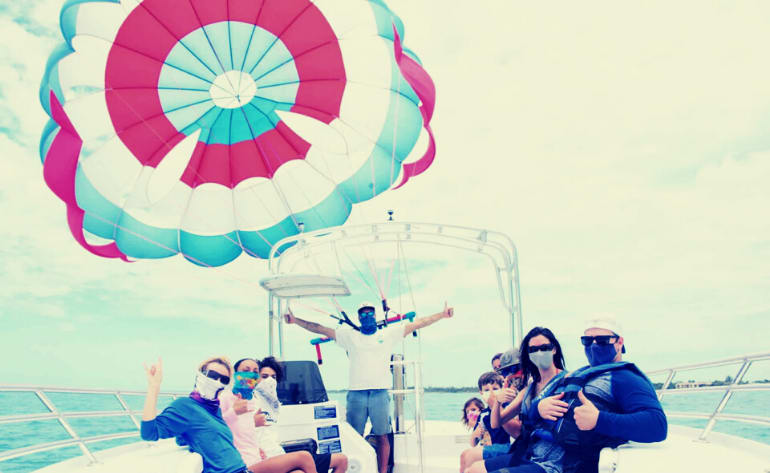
(438, 406)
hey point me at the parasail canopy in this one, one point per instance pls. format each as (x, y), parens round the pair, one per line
(212, 128)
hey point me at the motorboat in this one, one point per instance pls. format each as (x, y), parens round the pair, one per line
(419, 445)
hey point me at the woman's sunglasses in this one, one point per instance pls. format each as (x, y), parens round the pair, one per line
(599, 339)
(545, 347)
(222, 378)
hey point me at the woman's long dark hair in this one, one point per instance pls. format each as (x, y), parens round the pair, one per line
(527, 367)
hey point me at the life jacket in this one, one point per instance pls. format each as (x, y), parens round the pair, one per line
(531, 430)
(565, 430)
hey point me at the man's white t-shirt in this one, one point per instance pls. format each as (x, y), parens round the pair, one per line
(369, 355)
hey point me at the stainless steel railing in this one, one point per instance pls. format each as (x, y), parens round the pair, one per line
(400, 389)
(744, 363)
(62, 417)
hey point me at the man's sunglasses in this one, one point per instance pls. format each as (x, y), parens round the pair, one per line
(544, 347)
(222, 378)
(508, 370)
(366, 313)
(599, 339)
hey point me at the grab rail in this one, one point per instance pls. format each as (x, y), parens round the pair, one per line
(400, 389)
(55, 414)
(735, 385)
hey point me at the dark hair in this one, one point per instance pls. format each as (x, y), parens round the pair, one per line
(496, 357)
(237, 363)
(490, 377)
(477, 402)
(528, 369)
(271, 362)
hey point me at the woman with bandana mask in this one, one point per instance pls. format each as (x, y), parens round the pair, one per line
(535, 450)
(196, 421)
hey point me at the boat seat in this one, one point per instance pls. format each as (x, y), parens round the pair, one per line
(297, 445)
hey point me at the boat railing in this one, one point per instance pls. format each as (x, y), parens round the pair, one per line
(401, 389)
(63, 417)
(736, 384)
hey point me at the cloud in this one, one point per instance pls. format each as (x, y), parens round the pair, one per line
(629, 166)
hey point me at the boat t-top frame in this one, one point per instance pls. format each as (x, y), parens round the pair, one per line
(289, 253)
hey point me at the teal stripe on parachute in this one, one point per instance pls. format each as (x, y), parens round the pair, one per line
(138, 240)
(402, 127)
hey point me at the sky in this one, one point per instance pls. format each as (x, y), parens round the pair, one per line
(624, 147)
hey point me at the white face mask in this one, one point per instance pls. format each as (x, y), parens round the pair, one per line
(542, 359)
(269, 386)
(207, 387)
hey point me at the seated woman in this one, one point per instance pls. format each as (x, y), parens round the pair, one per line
(197, 421)
(534, 451)
(266, 396)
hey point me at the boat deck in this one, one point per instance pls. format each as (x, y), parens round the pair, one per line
(444, 441)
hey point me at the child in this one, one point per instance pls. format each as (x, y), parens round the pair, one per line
(486, 442)
(471, 411)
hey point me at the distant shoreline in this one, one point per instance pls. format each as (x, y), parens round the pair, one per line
(429, 389)
(474, 389)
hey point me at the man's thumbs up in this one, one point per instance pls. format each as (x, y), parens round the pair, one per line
(586, 414)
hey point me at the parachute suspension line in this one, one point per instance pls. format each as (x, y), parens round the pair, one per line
(390, 274)
(332, 299)
(373, 269)
(310, 306)
(225, 274)
(359, 273)
(406, 272)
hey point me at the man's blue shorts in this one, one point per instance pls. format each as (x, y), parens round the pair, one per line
(371, 403)
(494, 450)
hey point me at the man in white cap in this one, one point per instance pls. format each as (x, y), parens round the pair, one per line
(369, 349)
(604, 404)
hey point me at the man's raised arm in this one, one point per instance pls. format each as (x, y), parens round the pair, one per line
(309, 326)
(425, 321)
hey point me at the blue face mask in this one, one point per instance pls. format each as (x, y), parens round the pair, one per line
(368, 324)
(244, 383)
(600, 354)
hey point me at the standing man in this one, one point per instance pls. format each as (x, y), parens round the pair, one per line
(369, 351)
(604, 404)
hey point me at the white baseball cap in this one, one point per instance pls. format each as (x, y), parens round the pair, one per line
(607, 322)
